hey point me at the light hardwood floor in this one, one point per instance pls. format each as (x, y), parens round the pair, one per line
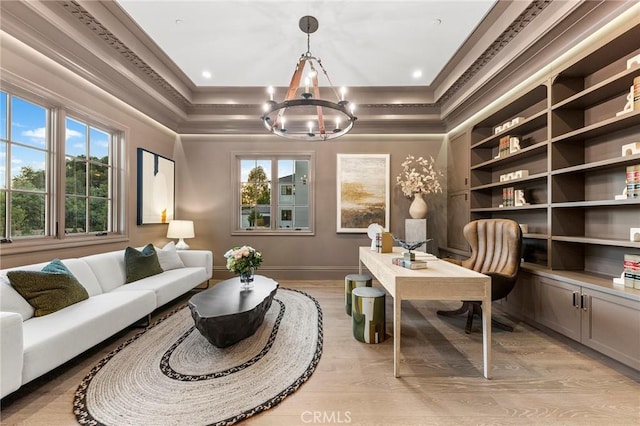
(537, 379)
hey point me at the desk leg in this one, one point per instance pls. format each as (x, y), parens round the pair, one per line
(397, 320)
(486, 337)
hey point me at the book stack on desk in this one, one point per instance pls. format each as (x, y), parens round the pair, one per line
(409, 264)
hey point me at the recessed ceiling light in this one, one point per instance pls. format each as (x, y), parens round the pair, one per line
(436, 21)
(417, 74)
(206, 74)
(178, 21)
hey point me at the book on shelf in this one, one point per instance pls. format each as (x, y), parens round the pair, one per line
(508, 196)
(633, 181)
(409, 264)
(632, 271)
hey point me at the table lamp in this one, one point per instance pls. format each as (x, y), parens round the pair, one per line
(181, 229)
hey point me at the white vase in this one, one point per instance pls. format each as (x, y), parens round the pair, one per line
(418, 208)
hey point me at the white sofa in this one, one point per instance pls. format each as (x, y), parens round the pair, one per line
(31, 346)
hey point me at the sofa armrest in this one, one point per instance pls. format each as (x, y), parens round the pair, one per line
(11, 351)
(202, 258)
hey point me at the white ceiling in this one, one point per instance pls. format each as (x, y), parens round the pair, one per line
(258, 42)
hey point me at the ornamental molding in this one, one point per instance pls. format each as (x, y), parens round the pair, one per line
(126, 53)
(520, 23)
(95, 26)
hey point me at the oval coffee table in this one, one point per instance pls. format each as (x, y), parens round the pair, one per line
(226, 314)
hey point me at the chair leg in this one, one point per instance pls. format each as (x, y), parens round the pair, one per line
(461, 310)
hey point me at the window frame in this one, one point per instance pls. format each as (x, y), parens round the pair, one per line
(55, 176)
(274, 157)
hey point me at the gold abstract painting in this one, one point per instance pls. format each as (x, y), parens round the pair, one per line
(363, 191)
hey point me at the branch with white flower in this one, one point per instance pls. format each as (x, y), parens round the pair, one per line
(419, 175)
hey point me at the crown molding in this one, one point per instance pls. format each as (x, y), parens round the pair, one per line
(98, 41)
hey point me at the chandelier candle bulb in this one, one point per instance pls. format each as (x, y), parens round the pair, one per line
(343, 91)
(270, 90)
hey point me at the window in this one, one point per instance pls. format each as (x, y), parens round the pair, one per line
(87, 178)
(24, 182)
(43, 194)
(283, 207)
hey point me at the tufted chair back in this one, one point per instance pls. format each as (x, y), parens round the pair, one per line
(495, 246)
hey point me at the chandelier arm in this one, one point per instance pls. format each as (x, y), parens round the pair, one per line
(293, 86)
(326, 74)
(316, 93)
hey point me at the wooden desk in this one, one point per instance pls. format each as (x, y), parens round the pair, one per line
(440, 281)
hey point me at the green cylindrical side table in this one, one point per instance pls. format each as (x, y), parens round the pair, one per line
(368, 314)
(352, 281)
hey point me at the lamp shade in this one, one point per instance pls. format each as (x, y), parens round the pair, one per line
(180, 229)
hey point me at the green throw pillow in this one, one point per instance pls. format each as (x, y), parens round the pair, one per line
(48, 290)
(141, 264)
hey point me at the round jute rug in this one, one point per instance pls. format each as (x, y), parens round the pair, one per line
(170, 375)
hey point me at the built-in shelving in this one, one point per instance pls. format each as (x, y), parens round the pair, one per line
(570, 145)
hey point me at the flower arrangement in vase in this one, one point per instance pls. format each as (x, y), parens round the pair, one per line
(243, 261)
(419, 176)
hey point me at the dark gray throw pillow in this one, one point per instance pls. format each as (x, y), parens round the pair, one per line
(141, 264)
(48, 290)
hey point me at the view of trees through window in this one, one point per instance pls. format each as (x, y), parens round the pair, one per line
(27, 181)
(280, 205)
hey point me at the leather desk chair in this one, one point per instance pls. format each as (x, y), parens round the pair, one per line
(495, 251)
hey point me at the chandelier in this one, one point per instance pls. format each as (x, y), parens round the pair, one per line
(308, 117)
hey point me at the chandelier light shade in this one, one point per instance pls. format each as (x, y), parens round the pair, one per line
(303, 114)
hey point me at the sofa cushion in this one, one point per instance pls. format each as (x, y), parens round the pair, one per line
(49, 290)
(141, 264)
(169, 258)
(49, 341)
(170, 284)
(108, 268)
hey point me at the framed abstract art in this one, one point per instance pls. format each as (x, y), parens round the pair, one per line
(363, 191)
(156, 188)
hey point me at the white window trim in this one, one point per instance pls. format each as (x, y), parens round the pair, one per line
(55, 185)
(236, 157)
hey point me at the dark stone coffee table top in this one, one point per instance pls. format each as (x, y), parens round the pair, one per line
(226, 314)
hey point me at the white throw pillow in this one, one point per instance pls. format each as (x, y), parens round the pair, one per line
(169, 258)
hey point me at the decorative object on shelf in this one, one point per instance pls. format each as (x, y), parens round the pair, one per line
(508, 145)
(508, 125)
(524, 228)
(340, 113)
(181, 229)
(372, 232)
(633, 60)
(244, 261)
(631, 149)
(628, 107)
(363, 191)
(518, 174)
(519, 199)
(419, 176)
(156, 185)
(634, 234)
